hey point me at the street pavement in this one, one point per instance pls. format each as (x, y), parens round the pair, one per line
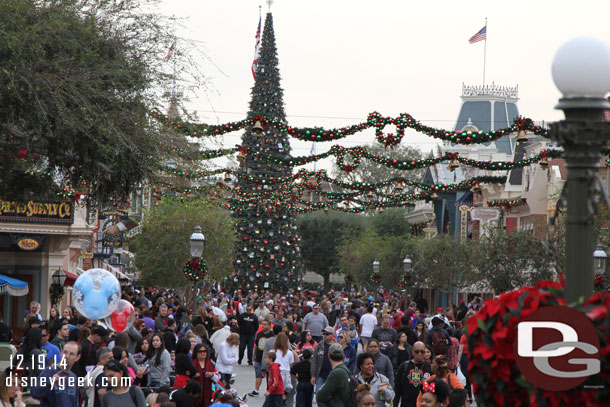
(244, 383)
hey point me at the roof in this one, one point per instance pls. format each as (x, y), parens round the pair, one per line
(479, 112)
(516, 174)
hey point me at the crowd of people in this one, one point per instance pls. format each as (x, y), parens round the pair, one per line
(337, 349)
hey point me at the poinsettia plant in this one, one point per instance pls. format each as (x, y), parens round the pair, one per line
(491, 334)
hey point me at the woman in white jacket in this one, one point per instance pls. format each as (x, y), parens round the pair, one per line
(226, 358)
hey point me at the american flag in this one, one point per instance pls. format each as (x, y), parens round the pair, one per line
(479, 36)
(256, 48)
(170, 52)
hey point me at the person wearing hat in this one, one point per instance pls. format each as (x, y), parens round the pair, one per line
(315, 322)
(320, 363)
(336, 390)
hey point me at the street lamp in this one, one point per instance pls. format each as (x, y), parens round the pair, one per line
(197, 240)
(581, 71)
(376, 267)
(407, 265)
(59, 277)
(599, 259)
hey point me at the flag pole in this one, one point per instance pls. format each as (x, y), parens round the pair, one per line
(485, 52)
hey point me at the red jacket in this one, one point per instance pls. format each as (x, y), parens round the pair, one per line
(275, 384)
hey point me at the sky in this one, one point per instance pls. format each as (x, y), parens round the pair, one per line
(342, 59)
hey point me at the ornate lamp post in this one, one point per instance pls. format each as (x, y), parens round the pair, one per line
(56, 290)
(599, 259)
(581, 71)
(407, 265)
(196, 244)
(376, 267)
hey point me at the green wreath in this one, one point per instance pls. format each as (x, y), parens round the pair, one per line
(196, 269)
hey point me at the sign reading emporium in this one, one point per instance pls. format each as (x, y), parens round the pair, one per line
(37, 212)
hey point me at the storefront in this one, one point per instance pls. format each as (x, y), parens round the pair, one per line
(36, 240)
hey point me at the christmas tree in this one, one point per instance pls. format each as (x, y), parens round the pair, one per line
(268, 253)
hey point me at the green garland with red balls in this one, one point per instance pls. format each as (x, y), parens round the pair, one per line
(196, 269)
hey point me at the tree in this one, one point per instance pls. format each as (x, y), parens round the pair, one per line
(321, 235)
(268, 250)
(444, 263)
(162, 248)
(391, 222)
(508, 261)
(356, 256)
(77, 79)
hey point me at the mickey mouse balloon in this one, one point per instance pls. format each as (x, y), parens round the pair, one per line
(122, 318)
(96, 293)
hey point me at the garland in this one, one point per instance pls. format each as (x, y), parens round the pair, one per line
(506, 203)
(376, 278)
(56, 292)
(374, 119)
(195, 269)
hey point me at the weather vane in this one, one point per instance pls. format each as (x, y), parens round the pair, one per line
(270, 3)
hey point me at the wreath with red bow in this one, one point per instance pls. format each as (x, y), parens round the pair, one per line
(196, 269)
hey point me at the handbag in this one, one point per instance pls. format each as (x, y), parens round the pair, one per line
(460, 376)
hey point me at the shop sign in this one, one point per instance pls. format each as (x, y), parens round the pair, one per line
(37, 212)
(28, 244)
(464, 222)
(86, 255)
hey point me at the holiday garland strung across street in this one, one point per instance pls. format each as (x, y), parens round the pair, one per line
(402, 122)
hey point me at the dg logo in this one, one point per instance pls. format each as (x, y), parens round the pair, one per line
(557, 348)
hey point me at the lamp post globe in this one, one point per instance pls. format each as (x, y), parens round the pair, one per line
(196, 242)
(376, 267)
(580, 68)
(581, 71)
(407, 265)
(599, 259)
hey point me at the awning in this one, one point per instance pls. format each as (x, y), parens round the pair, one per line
(70, 279)
(13, 286)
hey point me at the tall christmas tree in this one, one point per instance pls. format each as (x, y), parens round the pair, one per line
(268, 253)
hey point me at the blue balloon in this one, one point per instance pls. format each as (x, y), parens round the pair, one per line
(96, 294)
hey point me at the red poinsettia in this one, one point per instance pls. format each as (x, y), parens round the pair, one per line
(491, 335)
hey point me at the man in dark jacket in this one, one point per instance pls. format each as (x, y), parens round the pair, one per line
(336, 390)
(248, 325)
(410, 377)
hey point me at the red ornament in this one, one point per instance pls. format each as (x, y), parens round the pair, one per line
(22, 154)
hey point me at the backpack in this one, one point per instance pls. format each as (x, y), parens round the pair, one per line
(353, 389)
(440, 345)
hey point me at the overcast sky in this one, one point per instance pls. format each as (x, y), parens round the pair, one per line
(341, 59)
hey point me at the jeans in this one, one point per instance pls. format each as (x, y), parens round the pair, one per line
(319, 383)
(304, 394)
(246, 342)
(274, 400)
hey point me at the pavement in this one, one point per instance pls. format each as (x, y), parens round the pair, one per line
(244, 383)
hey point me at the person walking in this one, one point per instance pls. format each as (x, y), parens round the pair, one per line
(160, 364)
(302, 371)
(349, 352)
(260, 341)
(410, 377)
(227, 357)
(383, 364)
(274, 396)
(206, 374)
(315, 322)
(320, 363)
(248, 325)
(385, 334)
(368, 322)
(380, 385)
(336, 390)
